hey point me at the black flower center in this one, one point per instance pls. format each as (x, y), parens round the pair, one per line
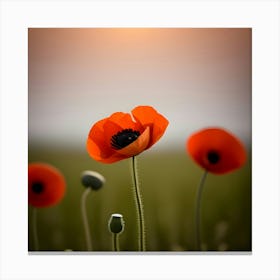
(213, 157)
(124, 138)
(37, 187)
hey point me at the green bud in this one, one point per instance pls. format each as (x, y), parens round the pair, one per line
(92, 179)
(116, 223)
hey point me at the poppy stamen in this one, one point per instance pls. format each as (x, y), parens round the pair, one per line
(124, 138)
(37, 187)
(213, 157)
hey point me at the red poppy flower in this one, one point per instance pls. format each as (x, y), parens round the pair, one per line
(121, 135)
(46, 185)
(216, 150)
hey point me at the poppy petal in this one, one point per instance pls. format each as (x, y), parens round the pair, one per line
(124, 120)
(148, 116)
(97, 145)
(99, 155)
(96, 152)
(110, 129)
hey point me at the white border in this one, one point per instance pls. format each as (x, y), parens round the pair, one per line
(262, 16)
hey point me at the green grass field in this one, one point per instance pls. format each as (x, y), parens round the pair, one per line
(168, 183)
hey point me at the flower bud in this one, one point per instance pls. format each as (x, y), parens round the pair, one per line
(92, 179)
(116, 223)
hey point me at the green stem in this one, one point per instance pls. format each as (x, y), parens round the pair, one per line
(115, 242)
(85, 219)
(35, 232)
(139, 206)
(198, 210)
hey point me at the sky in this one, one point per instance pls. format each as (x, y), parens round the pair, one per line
(195, 77)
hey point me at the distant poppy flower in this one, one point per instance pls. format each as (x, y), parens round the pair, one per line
(46, 185)
(121, 135)
(216, 150)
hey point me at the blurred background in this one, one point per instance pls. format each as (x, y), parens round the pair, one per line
(195, 77)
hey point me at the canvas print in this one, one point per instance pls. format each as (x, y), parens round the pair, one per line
(139, 140)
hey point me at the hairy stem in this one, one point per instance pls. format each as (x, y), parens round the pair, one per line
(139, 207)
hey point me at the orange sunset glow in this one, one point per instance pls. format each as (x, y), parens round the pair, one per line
(77, 76)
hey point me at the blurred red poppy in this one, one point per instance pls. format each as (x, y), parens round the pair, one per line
(216, 150)
(46, 185)
(121, 135)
